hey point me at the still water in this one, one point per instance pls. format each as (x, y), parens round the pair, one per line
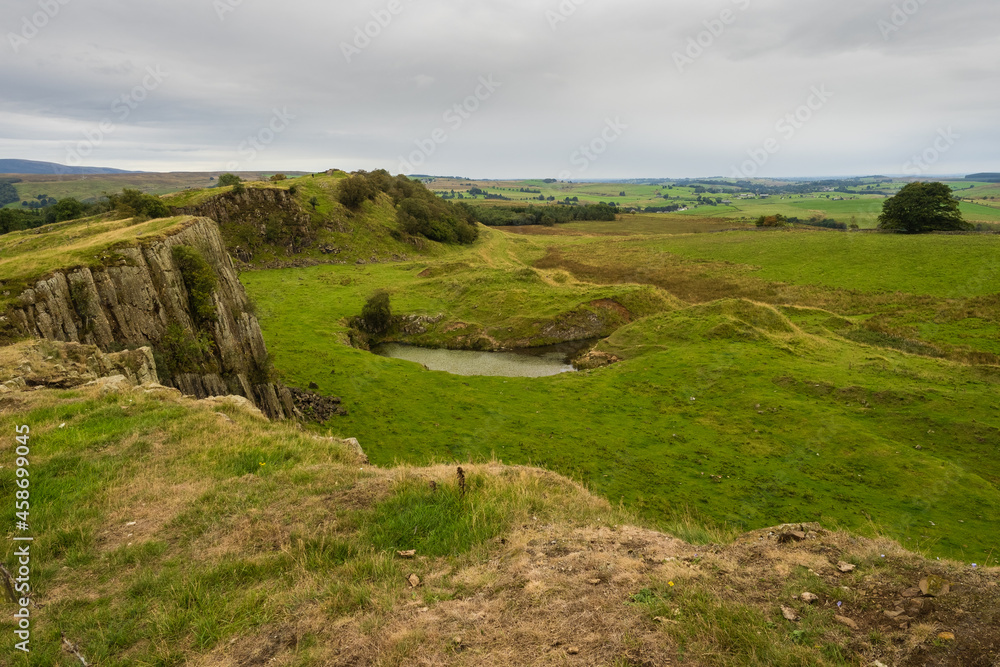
(531, 363)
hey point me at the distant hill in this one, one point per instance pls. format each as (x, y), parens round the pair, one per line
(33, 167)
(984, 178)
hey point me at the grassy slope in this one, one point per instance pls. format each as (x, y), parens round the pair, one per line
(33, 253)
(631, 431)
(369, 234)
(172, 532)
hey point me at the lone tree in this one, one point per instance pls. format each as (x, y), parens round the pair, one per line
(920, 208)
(376, 314)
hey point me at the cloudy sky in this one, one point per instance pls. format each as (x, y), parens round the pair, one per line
(505, 88)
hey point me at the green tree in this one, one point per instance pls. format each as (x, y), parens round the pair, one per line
(68, 209)
(355, 190)
(922, 207)
(132, 203)
(376, 314)
(229, 179)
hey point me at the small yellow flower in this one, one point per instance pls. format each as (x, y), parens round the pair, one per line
(670, 583)
(263, 464)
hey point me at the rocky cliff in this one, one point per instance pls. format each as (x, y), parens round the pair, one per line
(140, 295)
(255, 215)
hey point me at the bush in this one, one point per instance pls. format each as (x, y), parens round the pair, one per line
(199, 280)
(131, 203)
(277, 178)
(376, 315)
(229, 179)
(772, 221)
(182, 351)
(355, 191)
(418, 211)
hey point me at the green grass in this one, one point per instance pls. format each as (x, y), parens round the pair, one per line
(163, 532)
(940, 266)
(832, 442)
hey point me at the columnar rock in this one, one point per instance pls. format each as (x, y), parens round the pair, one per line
(139, 292)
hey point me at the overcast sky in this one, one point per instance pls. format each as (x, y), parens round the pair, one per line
(574, 89)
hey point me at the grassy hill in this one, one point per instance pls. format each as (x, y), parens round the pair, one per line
(301, 221)
(170, 531)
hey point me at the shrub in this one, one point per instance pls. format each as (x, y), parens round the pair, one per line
(354, 191)
(772, 221)
(199, 280)
(229, 179)
(182, 351)
(376, 315)
(131, 203)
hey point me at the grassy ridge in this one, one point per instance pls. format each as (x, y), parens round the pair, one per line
(632, 432)
(33, 253)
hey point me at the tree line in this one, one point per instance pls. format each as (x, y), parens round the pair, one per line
(506, 216)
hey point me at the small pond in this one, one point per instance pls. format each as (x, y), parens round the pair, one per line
(528, 362)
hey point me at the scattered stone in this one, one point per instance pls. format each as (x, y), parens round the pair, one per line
(789, 614)
(573, 650)
(407, 554)
(947, 636)
(843, 620)
(934, 586)
(809, 597)
(313, 386)
(225, 417)
(594, 582)
(791, 536)
(893, 615)
(355, 446)
(911, 592)
(846, 567)
(316, 407)
(456, 640)
(414, 582)
(115, 384)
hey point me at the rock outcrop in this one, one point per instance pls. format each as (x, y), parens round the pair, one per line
(139, 293)
(266, 213)
(65, 365)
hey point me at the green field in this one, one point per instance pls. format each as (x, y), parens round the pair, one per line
(833, 438)
(855, 206)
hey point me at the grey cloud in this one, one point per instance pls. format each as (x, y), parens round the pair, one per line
(562, 78)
